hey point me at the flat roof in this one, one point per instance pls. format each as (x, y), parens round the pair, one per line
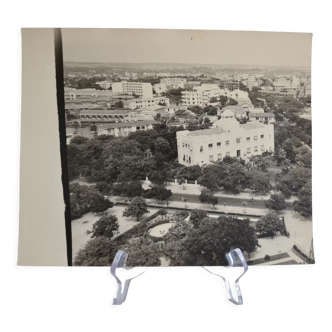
(265, 115)
(252, 125)
(129, 124)
(204, 132)
(104, 112)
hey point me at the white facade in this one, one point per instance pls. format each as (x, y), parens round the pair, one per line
(141, 89)
(173, 82)
(149, 74)
(201, 95)
(228, 139)
(251, 82)
(282, 83)
(145, 102)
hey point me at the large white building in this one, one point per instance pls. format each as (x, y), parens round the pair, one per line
(201, 95)
(145, 102)
(174, 82)
(229, 138)
(141, 89)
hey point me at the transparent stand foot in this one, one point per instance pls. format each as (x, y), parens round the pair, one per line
(235, 258)
(120, 262)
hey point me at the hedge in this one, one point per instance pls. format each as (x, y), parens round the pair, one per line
(137, 230)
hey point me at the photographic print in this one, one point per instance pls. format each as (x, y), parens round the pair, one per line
(184, 144)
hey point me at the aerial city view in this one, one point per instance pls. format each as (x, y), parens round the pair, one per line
(177, 153)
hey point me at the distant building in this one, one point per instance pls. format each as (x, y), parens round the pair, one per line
(104, 84)
(281, 83)
(256, 110)
(163, 74)
(265, 118)
(145, 102)
(308, 90)
(141, 89)
(230, 138)
(173, 82)
(230, 85)
(286, 93)
(125, 128)
(149, 74)
(251, 82)
(232, 111)
(81, 93)
(201, 95)
(88, 116)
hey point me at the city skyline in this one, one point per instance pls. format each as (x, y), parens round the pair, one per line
(190, 47)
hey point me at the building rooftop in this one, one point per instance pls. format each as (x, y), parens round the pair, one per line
(105, 112)
(265, 115)
(252, 125)
(129, 124)
(204, 132)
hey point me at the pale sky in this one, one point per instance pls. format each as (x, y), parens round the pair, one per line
(187, 46)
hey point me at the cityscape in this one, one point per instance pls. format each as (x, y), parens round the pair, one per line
(177, 163)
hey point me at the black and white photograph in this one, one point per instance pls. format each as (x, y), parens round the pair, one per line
(184, 144)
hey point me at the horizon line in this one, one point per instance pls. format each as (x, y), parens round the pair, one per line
(188, 63)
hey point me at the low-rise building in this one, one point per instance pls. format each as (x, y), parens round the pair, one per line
(262, 117)
(236, 111)
(146, 102)
(89, 116)
(288, 93)
(230, 138)
(121, 129)
(230, 85)
(104, 84)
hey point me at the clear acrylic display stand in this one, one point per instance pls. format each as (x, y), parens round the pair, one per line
(235, 258)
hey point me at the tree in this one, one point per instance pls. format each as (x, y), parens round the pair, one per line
(304, 203)
(259, 181)
(106, 226)
(232, 101)
(162, 146)
(93, 128)
(136, 208)
(84, 199)
(129, 189)
(207, 120)
(276, 202)
(103, 187)
(303, 156)
(208, 243)
(270, 224)
(159, 192)
(78, 140)
(207, 196)
(97, 252)
(197, 216)
(223, 101)
(118, 104)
